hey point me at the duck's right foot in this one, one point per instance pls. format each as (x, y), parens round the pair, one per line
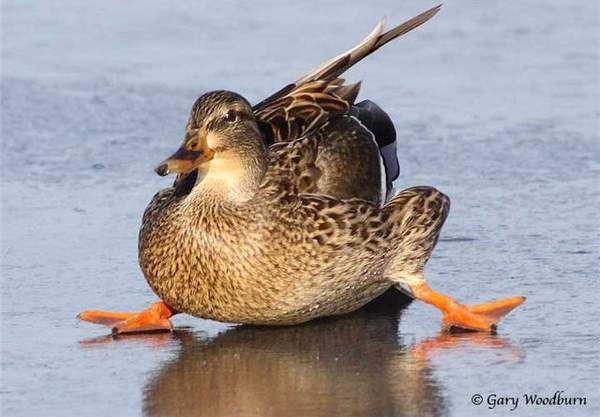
(155, 318)
(476, 317)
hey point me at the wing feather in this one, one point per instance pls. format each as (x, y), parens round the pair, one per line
(311, 101)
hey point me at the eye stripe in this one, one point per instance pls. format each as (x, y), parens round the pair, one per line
(245, 116)
(191, 155)
(220, 122)
(212, 124)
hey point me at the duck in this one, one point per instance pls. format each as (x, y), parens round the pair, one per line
(281, 212)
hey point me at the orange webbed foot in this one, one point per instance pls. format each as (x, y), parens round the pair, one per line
(155, 318)
(475, 317)
(479, 316)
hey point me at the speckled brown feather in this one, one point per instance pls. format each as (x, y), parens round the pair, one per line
(306, 108)
(317, 97)
(340, 160)
(314, 100)
(284, 256)
(299, 248)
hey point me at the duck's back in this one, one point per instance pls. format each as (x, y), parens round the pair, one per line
(357, 155)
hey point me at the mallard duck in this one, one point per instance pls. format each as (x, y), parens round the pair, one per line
(285, 233)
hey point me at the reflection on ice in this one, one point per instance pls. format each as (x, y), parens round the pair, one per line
(351, 365)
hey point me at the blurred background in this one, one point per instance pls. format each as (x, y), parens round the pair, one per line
(495, 103)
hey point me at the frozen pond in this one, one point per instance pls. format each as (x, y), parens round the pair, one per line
(498, 106)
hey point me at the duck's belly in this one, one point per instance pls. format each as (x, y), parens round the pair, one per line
(259, 276)
(279, 310)
(278, 295)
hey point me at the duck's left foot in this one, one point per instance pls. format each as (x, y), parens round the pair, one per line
(154, 318)
(477, 317)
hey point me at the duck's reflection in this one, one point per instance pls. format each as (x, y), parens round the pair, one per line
(353, 365)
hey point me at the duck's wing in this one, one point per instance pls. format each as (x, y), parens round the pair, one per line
(291, 168)
(310, 102)
(296, 110)
(303, 166)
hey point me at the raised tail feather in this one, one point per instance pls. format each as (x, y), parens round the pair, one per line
(375, 40)
(311, 101)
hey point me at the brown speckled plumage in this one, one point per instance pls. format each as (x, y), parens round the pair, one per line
(295, 231)
(284, 256)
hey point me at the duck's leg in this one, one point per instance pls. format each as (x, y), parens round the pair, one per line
(478, 317)
(154, 318)
(419, 214)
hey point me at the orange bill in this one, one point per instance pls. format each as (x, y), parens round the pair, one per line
(193, 152)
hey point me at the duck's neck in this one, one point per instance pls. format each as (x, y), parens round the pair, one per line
(232, 176)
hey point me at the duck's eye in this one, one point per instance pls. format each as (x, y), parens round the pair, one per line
(231, 116)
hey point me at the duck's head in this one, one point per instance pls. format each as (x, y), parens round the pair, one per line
(221, 126)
